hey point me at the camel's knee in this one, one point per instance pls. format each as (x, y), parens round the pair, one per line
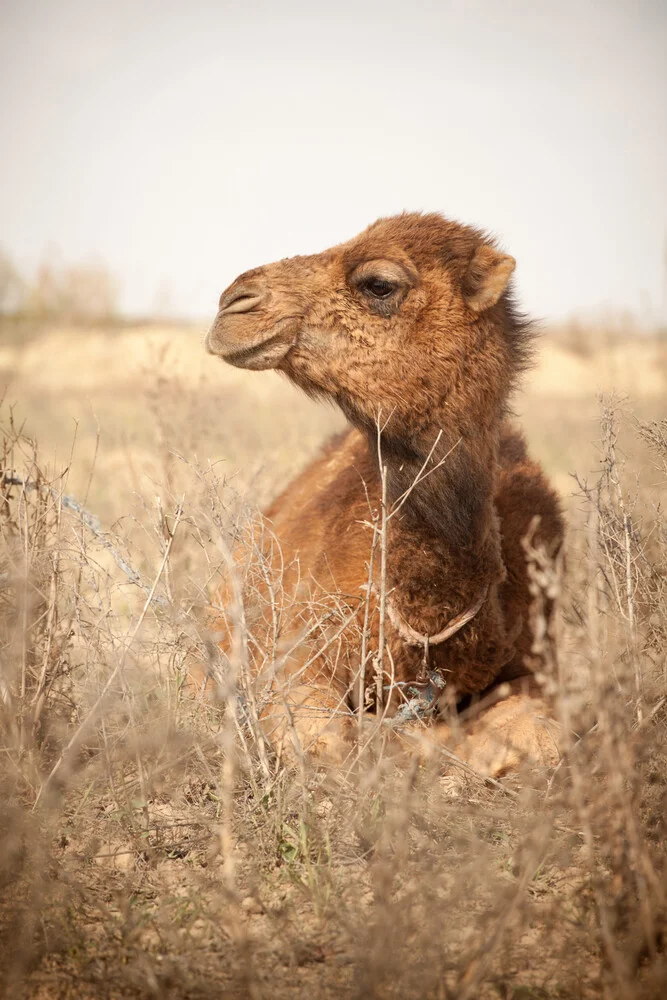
(515, 733)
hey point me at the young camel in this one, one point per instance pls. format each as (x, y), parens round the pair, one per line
(410, 329)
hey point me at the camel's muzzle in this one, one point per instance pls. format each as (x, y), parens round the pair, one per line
(245, 333)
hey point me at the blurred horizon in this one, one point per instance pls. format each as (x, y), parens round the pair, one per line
(177, 145)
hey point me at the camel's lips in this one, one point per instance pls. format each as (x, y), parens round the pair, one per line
(264, 351)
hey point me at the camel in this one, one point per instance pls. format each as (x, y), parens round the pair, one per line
(410, 524)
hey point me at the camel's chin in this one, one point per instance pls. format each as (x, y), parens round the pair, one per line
(256, 360)
(255, 357)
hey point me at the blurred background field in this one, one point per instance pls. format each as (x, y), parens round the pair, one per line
(135, 401)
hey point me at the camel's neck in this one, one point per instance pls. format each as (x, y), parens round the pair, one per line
(443, 537)
(441, 488)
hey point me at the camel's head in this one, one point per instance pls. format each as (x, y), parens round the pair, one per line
(398, 316)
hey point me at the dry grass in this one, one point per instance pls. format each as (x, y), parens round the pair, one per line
(152, 846)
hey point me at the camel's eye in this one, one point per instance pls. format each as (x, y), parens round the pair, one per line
(384, 283)
(379, 288)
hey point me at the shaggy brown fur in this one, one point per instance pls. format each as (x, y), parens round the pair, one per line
(410, 328)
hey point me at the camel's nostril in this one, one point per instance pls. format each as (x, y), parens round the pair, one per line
(240, 300)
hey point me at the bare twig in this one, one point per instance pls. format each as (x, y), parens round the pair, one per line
(92, 714)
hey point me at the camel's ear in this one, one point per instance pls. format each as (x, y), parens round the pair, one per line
(487, 277)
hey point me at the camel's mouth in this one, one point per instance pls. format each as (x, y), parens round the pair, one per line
(267, 354)
(256, 355)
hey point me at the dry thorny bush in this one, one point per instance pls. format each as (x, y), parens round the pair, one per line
(152, 845)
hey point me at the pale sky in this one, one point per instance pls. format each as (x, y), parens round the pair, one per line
(186, 142)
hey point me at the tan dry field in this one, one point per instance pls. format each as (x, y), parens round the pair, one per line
(153, 394)
(149, 849)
